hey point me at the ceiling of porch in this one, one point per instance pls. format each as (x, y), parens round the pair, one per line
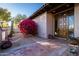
(53, 8)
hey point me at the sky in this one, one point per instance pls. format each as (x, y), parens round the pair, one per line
(21, 8)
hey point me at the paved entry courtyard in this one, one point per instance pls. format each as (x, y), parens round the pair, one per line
(35, 46)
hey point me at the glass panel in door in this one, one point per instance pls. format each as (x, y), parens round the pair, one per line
(62, 26)
(71, 25)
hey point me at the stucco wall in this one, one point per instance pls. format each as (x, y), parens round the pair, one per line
(50, 24)
(76, 18)
(41, 21)
(45, 24)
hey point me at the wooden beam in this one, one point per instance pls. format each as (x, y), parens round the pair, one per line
(64, 10)
(56, 7)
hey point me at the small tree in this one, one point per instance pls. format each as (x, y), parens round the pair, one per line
(4, 15)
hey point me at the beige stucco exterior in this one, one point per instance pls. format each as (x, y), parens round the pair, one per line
(45, 24)
(76, 20)
(50, 24)
(41, 21)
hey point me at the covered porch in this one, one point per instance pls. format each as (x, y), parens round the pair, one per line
(57, 20)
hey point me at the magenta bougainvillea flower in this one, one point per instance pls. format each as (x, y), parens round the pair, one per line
(28, 26)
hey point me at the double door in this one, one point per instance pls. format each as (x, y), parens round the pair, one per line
(65, 25)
